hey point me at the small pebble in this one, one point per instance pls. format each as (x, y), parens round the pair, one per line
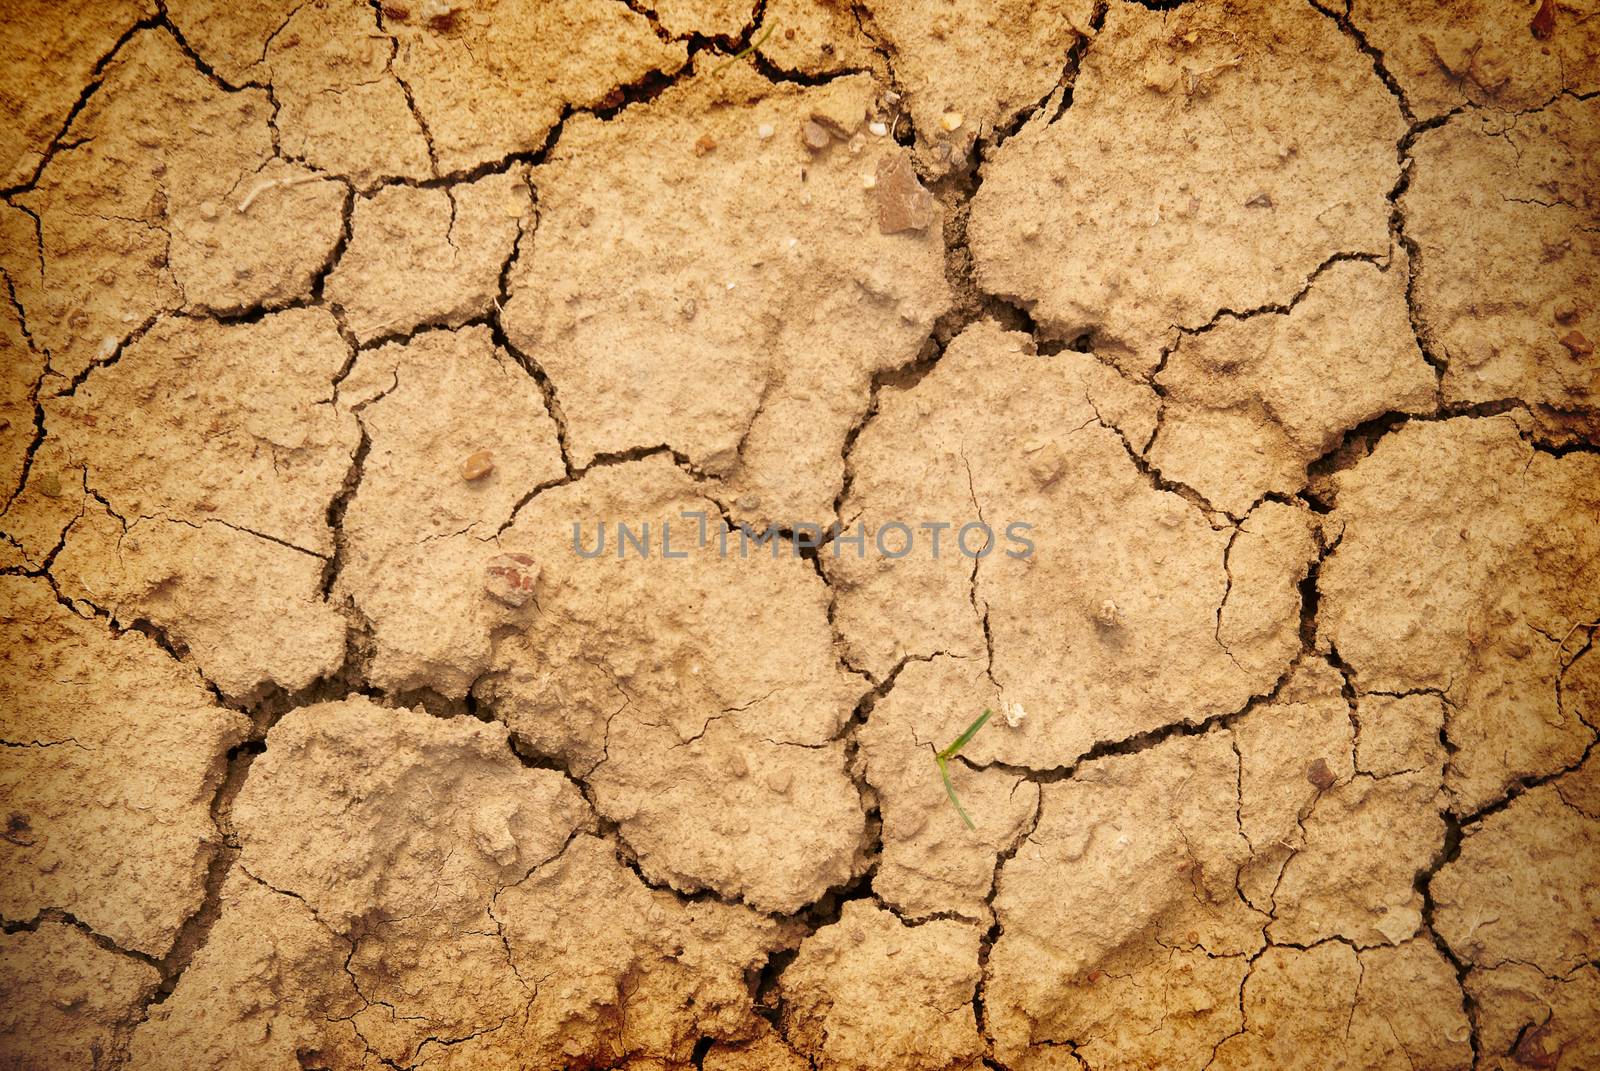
(1260, 200)
(704, 145)
(868, 181)
(951, 121)
(814, 135)
(478, 464)
(510, 578)
(1321, 775)
(878, 129)
(764, 131)
(1577, 344)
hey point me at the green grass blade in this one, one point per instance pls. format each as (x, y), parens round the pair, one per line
(742, 53)
(950, 790)
(961, 741)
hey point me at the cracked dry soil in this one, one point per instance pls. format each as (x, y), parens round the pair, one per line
(325, 321)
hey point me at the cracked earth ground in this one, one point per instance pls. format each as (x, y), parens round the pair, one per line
(325, 321)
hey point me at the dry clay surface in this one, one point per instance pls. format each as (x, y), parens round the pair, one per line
(335, 333)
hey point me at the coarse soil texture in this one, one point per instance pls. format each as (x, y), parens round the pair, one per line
(502, 501)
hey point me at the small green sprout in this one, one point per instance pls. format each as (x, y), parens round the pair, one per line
(747, 50)
(943, 759)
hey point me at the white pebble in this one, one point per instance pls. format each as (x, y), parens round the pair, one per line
(878, 129)
(951, 121)
(869, 181)
(764, 131)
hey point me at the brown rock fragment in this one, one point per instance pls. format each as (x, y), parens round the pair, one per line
(903, 203)
(1544, 20)
(1577, 344)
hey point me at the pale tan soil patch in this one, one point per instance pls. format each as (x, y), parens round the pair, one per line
(1521, 322)
(85, 763)
(1460, 619)
(49, 60)
(776, 324)
(1086, 216)
(335, 332)
(1444, 55)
